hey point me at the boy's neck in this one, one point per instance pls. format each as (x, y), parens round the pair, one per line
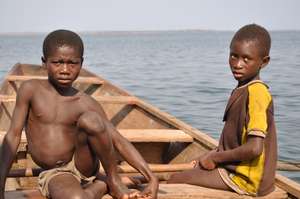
(240, 84)
(249, 83)
(64, 91)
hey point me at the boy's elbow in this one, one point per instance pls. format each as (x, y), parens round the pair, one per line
(256, 151)
(12, 138)
(255, 146)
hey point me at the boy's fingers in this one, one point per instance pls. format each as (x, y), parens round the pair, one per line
(135, 194)
(146, 193)
(124, 196)
(194, 163)
(146, 196)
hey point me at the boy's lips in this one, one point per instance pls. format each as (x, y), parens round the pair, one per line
(63, 80)
(237, 74)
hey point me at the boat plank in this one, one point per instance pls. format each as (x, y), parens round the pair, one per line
(100, 99)
(289, 185)
(142, 135)
(155, 135)
(91, 80)
(204, 138)
(167, 191)
(33, 172)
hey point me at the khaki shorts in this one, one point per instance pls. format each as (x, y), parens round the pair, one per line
(45, 176)
(226, 177)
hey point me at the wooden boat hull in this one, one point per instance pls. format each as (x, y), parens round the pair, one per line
(165, 142)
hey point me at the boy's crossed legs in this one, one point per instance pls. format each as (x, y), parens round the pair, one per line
(66, 185)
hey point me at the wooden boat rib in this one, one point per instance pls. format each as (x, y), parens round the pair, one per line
(166, 143)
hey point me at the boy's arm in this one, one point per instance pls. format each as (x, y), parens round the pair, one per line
(258, 102)
(134, 158)
(12, 138)
(250, 150)
(131, 155)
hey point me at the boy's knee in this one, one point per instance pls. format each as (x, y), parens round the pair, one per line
(91, 122)
(77, 195)
(69, 193)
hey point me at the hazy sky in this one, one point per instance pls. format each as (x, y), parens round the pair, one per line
(100, 15)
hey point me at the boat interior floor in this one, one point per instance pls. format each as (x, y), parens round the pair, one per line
(166, 191)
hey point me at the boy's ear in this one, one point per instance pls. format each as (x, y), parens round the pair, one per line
(82, 59)
(43, 60)
(265, 61)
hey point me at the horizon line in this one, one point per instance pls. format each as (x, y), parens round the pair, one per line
(16, 33)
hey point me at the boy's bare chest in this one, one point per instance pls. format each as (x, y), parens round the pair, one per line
(56, 109)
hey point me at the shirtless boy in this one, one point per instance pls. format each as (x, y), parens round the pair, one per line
(67, 131)
(245, 160)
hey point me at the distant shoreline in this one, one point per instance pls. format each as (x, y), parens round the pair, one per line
(120, 32)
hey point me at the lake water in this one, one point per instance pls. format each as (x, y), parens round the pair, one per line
(184, 73)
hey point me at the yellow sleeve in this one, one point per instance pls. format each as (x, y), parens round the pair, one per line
(259, 100)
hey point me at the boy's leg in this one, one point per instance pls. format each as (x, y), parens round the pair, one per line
(200, 177)
(68, 187)
(101, 143)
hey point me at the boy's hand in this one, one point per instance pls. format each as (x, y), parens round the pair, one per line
(195, 163)
(207, 161)
(149, 192)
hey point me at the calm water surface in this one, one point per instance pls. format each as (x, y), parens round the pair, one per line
(184, 73)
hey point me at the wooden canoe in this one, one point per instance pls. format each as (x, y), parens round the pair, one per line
(165, 142)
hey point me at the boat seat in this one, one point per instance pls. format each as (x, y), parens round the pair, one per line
(91, 80)
(100, 99)
(155, 135)
(141, 135)
(167, 191)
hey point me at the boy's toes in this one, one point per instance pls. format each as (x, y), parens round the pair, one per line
(134, 194)
(131, 195)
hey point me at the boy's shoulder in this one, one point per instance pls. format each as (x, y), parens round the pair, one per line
(27, 89)
(258, 87)
(30, 85)
(258, 93)
(258, 84)
(86, 98)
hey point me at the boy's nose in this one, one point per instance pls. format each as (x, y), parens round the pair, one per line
(65, 68)
(238, 64)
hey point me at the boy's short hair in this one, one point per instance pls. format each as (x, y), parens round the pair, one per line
(59, 38)
(254, 32)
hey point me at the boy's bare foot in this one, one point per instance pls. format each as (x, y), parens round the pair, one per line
(150, 190)
(119, 191)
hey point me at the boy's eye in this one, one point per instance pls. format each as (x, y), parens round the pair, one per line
(246, 59)
(61, 62)
(73, 62)
(56, 62)
(232, 56)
